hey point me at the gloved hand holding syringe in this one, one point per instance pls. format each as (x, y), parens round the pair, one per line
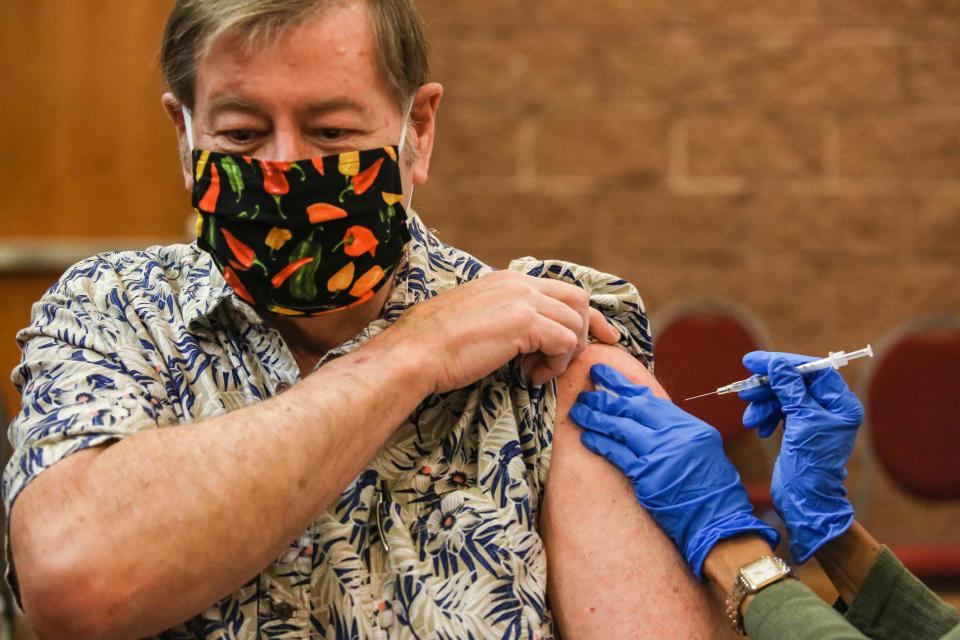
(835, 360)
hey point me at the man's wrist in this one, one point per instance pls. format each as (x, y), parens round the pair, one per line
(388, 363)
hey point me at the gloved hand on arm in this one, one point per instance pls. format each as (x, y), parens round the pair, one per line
(674, 460)
(821, 416)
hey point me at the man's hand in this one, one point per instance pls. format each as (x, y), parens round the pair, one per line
(479, 326)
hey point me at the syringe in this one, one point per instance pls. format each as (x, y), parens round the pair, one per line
(835, 360)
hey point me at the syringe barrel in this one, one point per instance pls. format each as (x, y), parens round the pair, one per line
(743, 385)
(835, 360)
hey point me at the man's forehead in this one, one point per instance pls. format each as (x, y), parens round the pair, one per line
(323, 64)
(253, 39)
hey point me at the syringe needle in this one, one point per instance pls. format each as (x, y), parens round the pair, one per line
(702, 395)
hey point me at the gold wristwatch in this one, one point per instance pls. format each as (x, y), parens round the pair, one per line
(751, 578)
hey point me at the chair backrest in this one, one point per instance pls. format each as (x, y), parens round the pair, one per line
(913, 407)
(698, 346)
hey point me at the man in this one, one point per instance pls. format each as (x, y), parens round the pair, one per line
(356, 421)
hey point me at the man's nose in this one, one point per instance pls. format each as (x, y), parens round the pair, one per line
(286, 144)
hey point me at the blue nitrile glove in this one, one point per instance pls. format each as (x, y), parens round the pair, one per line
(821, 420)
(674, 460)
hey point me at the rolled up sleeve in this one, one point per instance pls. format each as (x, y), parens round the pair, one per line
(85, 379)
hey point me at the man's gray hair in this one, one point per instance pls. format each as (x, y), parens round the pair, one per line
(194, 25)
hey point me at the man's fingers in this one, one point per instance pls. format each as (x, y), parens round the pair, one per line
(569, 294)
(563, 314)
(601, 329)
(541, 369)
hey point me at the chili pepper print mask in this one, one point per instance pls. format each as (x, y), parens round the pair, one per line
(306, 237)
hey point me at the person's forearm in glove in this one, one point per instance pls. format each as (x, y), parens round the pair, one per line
(821, 416)
(674, 460)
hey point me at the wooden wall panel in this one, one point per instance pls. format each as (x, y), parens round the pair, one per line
(87, 149)
(87, 153)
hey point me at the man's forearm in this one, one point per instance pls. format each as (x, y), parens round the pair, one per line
(143, 534)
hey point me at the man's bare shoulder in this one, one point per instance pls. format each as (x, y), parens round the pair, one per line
(577, 376)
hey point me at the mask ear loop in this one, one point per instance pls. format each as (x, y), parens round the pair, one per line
(403, 138)
(188, 124)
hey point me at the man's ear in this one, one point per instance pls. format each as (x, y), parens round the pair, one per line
(423, 119)
(175, 110)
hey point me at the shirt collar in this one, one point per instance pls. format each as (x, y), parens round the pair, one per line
(204, 289)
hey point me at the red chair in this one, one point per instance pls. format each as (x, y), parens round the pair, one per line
(697, 347)
(912, 402)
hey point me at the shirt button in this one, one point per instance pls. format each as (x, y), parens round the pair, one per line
(284, 610)
(281, 387)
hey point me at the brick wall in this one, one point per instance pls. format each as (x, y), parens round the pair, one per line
(800, 157)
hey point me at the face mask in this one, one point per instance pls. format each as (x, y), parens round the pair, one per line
(301, 238)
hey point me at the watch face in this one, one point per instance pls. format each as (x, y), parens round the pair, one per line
(760, 571)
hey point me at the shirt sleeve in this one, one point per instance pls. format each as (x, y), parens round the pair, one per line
(617, 299)
(893, 603)
(790, 610)
(86, 376)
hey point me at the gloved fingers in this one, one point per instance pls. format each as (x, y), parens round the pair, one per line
(830, 390)
(789, 385)
(758, 394)
(623, 430)
(610, 378)
(615, 453)
(759, 361)
(810, 531)
(605, 402)
(764, 416)
(644, 407)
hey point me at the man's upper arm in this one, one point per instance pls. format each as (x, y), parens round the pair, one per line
(611, 570)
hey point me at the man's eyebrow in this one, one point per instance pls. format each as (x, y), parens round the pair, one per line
(339, 103)
(220, 104)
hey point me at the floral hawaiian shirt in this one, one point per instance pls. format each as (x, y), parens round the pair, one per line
(438, 536)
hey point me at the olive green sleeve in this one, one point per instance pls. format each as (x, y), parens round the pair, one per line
(893, 603)
(790, 610)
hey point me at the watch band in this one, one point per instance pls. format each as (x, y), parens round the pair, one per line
(751, 578)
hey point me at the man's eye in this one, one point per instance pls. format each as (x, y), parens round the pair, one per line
(331, 134)
(240, 135)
